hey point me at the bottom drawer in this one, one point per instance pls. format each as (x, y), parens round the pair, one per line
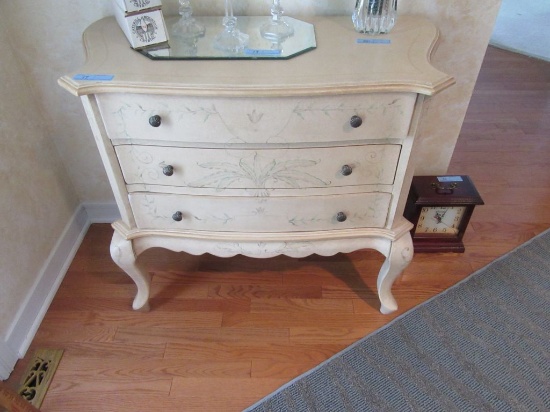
(260, 214)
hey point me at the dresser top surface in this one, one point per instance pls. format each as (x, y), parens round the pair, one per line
(338, 65)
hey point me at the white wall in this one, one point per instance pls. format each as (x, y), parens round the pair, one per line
(522, 27)
(48, 159)
(36, 196)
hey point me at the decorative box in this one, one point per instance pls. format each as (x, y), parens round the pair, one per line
(144, 28)
(131, 6)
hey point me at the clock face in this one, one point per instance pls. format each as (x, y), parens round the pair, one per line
(439, 220)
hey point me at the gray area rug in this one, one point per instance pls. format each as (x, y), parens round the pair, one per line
(482, 345)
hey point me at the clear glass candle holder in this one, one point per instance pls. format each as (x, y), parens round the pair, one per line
(276, 29)
(230, 39)
(187, 27)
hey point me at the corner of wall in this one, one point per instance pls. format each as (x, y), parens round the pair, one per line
(33, 309)
(37, 302)
(102, 212)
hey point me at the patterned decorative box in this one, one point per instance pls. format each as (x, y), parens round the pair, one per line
(142, 29)
(131, 6)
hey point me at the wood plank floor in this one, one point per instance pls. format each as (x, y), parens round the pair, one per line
(223, 333)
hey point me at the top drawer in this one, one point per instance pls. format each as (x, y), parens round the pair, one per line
(282, 120)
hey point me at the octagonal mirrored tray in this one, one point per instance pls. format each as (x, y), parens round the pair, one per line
(202, 48)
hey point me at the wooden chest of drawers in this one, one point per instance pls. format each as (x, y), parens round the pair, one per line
(297, 157)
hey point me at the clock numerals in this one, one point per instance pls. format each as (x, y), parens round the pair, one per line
(440, 220)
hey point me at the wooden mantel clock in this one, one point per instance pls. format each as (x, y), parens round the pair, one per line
(440, 208)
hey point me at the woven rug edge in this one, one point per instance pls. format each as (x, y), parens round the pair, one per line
(355, 344)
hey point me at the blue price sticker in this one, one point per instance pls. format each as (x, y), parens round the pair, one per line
(94, 77)
(449, 179)
(262, 52)
(374, 41)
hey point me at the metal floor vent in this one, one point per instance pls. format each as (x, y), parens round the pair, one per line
(39, 374)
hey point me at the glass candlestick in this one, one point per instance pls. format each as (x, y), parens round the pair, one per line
(187, 27)
(231, 39)
(277, 29)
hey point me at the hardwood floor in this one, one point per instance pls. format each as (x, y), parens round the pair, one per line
(223, 333)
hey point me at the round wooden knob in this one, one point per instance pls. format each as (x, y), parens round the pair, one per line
(341, 217)
(346, 170)
(168, 170)
(155, 120)
(355, 121)
(178, 216)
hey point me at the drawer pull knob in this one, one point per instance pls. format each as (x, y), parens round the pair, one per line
(355, 121)
(346, 170)
(178, 216)
(341, 217)
(155, 120)
(168, 170)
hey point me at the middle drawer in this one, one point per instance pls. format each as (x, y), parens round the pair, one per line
(259, 169)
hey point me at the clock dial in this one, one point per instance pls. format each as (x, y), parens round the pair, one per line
(440, 220)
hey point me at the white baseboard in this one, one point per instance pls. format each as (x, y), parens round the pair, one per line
(38, 300)
(8, 358)
(102, 212)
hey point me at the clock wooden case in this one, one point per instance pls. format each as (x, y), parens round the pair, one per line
(440, 208)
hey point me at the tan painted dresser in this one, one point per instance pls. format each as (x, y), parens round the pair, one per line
(261, 158)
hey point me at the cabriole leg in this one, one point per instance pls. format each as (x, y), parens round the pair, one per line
(122, 252)
(399, 256)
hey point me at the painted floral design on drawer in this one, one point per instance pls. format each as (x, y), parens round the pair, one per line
(273, 214)
(258, 120)
(260, 173)
(259, 170)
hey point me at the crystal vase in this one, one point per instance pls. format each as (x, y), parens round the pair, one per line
(374, 16)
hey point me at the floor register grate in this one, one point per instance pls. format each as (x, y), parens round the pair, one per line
(39, 374)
